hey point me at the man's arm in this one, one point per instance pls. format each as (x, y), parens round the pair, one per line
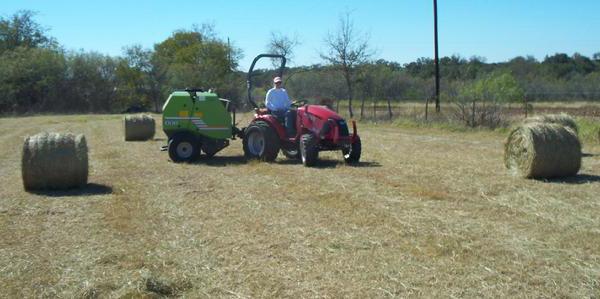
(289, 100)
(268, 101)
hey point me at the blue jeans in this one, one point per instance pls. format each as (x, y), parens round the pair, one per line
(288, 117)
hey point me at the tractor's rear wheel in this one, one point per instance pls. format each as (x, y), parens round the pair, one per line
(184, 148)
(261, 142)
(352, 154)
(309, 152)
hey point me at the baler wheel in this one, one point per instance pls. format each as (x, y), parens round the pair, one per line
(183, 148)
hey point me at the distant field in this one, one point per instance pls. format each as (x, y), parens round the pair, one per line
(515, 110)
(427, 212)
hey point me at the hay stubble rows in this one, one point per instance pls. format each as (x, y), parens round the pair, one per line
(427, 212)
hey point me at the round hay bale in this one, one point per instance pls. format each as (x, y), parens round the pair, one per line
(542, 150)
(561, 119)
(139, 127)
(54, 161)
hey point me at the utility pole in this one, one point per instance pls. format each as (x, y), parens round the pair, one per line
(228, 52)
(436, 58)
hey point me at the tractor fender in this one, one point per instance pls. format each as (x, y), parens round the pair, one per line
(274, 123)
(354, 132)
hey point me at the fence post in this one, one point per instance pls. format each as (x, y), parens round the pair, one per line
(426, 107)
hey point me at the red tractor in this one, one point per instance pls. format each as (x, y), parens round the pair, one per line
(317, 128)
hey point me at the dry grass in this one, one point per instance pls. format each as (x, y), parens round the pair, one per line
(427, 213)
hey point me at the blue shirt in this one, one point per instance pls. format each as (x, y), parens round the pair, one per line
(277, 99)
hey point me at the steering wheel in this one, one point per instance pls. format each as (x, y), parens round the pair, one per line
(299, 103)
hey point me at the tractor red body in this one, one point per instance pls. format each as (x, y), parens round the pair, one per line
(332, 129)
(318, 128)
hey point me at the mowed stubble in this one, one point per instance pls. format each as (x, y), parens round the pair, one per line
(427, 212)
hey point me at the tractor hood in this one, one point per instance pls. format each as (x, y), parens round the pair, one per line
(321, 112)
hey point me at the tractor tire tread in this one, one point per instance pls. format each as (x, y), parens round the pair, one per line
(353, 156)
(271, 142)
(308, 149)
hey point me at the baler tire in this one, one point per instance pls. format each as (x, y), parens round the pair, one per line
(179, 147)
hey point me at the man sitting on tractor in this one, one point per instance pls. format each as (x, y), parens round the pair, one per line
(278, 103)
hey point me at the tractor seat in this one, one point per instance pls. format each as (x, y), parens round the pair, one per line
(280, 117)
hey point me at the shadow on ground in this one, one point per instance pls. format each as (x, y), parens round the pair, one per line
(575, 180)
(366, 164)
(221, 160)
(89, 189)
(327, 163)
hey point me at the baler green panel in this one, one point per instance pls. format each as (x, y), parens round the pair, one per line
(174, 107)
(206, 115)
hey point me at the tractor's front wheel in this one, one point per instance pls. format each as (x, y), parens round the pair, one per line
(292, 153)
(183, 148)
(352, 154)
(260, 142)
(309, 152)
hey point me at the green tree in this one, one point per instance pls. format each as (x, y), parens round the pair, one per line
(562, 66)
(480, 102)
(21, 30)
(422, 68)
(499, 87)
(196, 58)
(583, 65)
(31, 80)
(91, 82)
(137, 79)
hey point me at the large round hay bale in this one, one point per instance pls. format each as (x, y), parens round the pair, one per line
(139, 127)
(54, 161)
(561, 119)
(542, 150)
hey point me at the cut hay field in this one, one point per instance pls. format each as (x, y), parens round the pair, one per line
(427, 213)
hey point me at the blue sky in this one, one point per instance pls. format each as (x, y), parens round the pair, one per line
(400, 30)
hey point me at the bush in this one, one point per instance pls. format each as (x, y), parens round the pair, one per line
(479, 103)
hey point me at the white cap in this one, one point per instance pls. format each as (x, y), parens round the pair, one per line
(276, 79)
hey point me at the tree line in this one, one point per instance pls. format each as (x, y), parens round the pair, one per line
(38, 75)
